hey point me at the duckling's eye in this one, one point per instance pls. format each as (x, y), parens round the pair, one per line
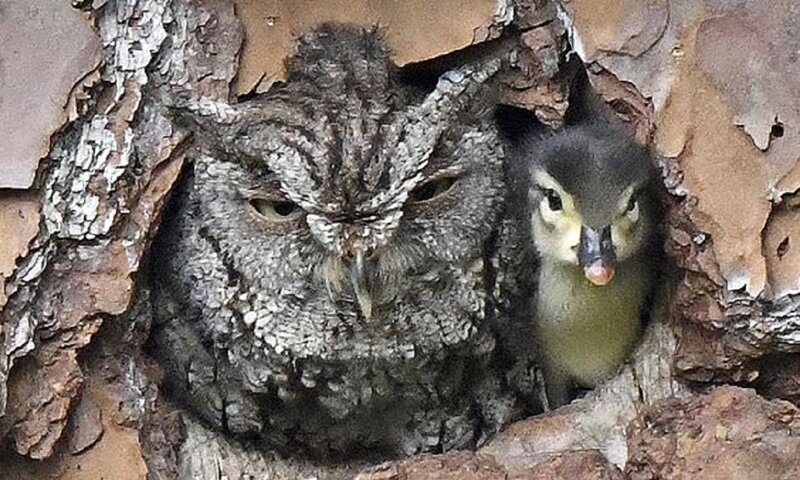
(632, 210)
(276, 210)
(430, 190)
(553, 200)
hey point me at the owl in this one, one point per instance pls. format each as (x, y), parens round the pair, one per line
(324, 279)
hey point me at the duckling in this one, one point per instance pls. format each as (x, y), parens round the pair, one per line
(593, 208)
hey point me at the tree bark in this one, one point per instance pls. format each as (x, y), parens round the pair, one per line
(711, 88)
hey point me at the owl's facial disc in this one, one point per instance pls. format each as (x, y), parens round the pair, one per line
(363, 258)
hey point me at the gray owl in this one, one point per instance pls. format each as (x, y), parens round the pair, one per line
(324, 279)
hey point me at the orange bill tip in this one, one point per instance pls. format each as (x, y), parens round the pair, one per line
(600, 273)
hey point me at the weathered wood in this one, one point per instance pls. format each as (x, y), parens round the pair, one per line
(101, 190)
(712, 87)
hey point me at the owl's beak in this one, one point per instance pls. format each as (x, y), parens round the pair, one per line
(360, 279)
(596, 255)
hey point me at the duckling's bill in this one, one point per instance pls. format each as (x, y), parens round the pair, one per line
(596, 255)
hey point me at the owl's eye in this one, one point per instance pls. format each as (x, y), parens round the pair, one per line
(276, 210)
(553, 200)
(432, 189)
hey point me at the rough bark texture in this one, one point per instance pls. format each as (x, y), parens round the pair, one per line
(712, 85)
(728, 433)
(101, 189)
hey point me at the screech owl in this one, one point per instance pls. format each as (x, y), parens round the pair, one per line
(324, 279)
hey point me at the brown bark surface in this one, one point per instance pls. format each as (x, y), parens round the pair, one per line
(89, 156)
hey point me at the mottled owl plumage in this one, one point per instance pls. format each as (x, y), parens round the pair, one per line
(325, 276)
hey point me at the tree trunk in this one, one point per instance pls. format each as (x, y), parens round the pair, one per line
(90, 155)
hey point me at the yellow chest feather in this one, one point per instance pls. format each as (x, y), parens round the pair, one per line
(587, 331)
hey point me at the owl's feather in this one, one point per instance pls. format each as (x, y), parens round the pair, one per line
(331, 252)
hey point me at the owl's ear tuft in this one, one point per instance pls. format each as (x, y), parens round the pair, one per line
(465, 92)
(212, 123)
(203, 113)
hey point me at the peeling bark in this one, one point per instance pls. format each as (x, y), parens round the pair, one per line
(102, 188)
(54, 48)
(711, 86)
(728, 433)
(431, 31)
